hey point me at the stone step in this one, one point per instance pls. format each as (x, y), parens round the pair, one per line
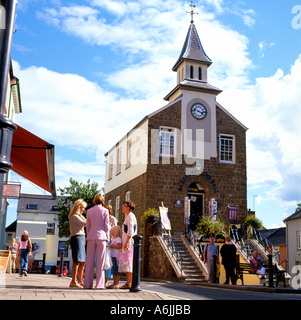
(193, 274)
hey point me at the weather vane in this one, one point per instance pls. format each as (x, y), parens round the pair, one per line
(192, 6)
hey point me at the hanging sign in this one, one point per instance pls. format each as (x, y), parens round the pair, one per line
(11, 191)
(187, 210)
(233, 213)
(212, 207)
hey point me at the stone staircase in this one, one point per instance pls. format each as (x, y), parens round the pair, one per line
(194, 275)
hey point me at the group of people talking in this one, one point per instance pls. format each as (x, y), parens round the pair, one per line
(89, 249)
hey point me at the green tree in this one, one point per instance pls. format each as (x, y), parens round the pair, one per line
(76, 190)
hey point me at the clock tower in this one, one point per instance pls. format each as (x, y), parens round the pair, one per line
(198, 121)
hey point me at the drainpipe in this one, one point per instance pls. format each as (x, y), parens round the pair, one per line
(7, 127)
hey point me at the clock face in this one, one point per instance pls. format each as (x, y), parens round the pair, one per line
(198, 111)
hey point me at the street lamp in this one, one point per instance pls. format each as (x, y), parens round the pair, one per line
(254, 196)
(7, 127)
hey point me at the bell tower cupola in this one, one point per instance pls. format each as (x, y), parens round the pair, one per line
(192, 64)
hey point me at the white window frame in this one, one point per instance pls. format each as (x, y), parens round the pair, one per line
(50, 228)
(164, 130)
(119, 154)
(227, 149)
(129, 154)
(110, 173)
(127, 196)
(298, 240)
(117, 207)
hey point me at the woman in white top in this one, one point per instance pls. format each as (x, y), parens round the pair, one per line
(129, 229)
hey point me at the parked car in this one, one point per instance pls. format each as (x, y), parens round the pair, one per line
(65, 270)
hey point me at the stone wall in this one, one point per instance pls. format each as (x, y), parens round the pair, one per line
(160, 268)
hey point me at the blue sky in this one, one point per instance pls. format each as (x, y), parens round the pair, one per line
(90, 70)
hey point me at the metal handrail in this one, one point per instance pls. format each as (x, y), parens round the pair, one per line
(241, 243)
(193, 240)
(269, 247)
(171, 246)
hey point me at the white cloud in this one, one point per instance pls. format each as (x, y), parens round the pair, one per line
(218, 5)
(263, 46)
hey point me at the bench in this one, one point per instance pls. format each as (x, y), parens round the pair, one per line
(245, 268)
(241, 269)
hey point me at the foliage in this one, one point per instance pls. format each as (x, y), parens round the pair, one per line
(207, 227)
(254, 222)
(69, 195)
(151, 216)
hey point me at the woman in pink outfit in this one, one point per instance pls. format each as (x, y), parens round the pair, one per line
(97, 227)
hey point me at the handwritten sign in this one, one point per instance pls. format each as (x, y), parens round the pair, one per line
(4, 261)
(164, 218)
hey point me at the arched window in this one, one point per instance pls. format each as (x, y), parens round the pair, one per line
(200, 73)
(191, 72)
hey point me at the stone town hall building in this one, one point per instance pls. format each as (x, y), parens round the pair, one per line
(192, 147)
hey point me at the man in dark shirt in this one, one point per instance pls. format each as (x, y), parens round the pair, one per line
(228, 253)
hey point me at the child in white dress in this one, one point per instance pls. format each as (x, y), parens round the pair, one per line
(115, 247)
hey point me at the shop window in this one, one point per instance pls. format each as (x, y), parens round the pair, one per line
(62, 246)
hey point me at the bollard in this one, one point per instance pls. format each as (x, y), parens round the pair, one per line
(136, 264)
(43, 265)
(270, 266)
(61, 264)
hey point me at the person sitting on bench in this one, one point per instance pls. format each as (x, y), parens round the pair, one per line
(257, 266)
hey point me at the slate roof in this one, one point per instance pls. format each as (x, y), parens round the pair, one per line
(295, 215)
(192, 49)
(12, 227)
(276, 236)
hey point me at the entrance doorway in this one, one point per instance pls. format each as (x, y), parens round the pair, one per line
(196, 196)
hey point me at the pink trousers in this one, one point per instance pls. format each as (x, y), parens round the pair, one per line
(93, 247)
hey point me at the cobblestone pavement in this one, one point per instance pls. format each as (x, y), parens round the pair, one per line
(52, 287)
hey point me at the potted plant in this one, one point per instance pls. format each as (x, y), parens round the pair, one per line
(252, 222)
(152, 217)
(207, 227)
